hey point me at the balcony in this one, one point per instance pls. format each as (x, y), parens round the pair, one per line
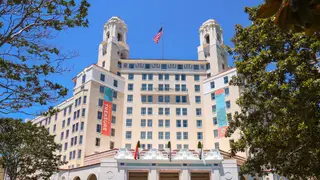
(164, 91)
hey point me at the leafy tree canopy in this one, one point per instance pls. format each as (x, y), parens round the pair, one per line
(28, 151)
(280, 112)
(26, 56)
(298, 15)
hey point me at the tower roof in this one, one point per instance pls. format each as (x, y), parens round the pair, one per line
(116, 20)
(208, 23)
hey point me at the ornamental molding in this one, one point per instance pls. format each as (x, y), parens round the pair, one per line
(154, 154)
(124, 154)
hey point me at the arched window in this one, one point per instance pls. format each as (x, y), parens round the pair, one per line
(119, 37)
(123, 55)
(92, 177)
(207, 38)
(76, 178)
(108, 34)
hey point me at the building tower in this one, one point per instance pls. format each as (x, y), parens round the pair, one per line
(114, 45)
(211, 47)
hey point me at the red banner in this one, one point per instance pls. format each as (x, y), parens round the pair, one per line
(222, 131)
(106, 118)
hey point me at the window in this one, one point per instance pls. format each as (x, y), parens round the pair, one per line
(183, 77)
(184, 99)
(79, 154)
(198, 99)
(128, 134)
(196, 78)
(111, 144)
(113, 121)
(167, 135)
(199, 123)
(149, 122)
(179, 136)
(130, 76)
(166, 87)
(215, 121)
(143, 146)
(142, 135)
(184, 87)
(61, 135)
(167, 123)
(166, 76)
(83, 112)
(143, 87)
(130, 87)
(207, 38)
(160, 77)
(119, 37)
(160, 99)
(114, 107)
(149, 146)
(216, 145)
(65, 112)
(178, 111)
(185, 123)
(84, 99)
(160, 111)
(178, 99)
(196, 67)
(149, 135)
(101, 89)
(198, 111)
(212, 85)
(54, 128)
(129, 110)
(143, 111)
(80, 139)
(129, 98)
(115, 94)
(179, 146)
(225, 80)
(150, 87)
(98, 130)
(160, 123)
(180, 66)
(177, 77)
(115, 83)
(167, 111)
(65, 146)
(184, 111)
(214, 108)
(199, 135)
(113, 132)
(150, 98)
(99, 115)
(213, 96)
(177, 87)
(129, 122)
(215, 133)
(102, 77)
(228, 105)
(147, 66)
(163, 66)
(185, 146)
(149, 111)
(143, 123)
(178, 123)
(160, 146)
(97, 141)
(128, 146)
(226, 91)
(143, 98)
(82, 126)
(131, 66)
(197, 88)
(185, 135)
(150, 76)
(68, 122)
(144, 76)
(83, 78)
(63, 123)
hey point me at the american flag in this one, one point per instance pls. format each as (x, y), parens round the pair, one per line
(158, 36)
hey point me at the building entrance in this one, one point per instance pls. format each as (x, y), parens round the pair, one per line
(138, 175)
(200, 176)
(169, 176)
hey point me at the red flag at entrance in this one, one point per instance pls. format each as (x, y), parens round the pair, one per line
(136, 152)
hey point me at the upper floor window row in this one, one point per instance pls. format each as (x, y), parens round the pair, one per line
(195, 67)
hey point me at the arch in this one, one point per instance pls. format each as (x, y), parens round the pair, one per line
(123, 55)
(120, 37)
(76, 178)
(92, 177)
(108, 34)
(63, 178)
(267, 178)
(207, 38)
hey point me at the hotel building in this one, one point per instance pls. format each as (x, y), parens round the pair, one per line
(153, 100)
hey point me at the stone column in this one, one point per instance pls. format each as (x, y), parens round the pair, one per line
(153, 175)
(185, 174)
(215, 174)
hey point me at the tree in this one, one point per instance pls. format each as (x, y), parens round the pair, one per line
(295, 14)
(28, 151)
(280, 113)
(199, 145)
(27, 57)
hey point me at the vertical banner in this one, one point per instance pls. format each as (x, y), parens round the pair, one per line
(107, 112)
(221, 112)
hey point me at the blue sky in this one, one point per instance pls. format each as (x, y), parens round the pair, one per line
(181, 19)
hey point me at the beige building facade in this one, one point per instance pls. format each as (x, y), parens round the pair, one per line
(154, 101)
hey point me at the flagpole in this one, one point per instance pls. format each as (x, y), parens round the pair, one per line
(162, 41)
